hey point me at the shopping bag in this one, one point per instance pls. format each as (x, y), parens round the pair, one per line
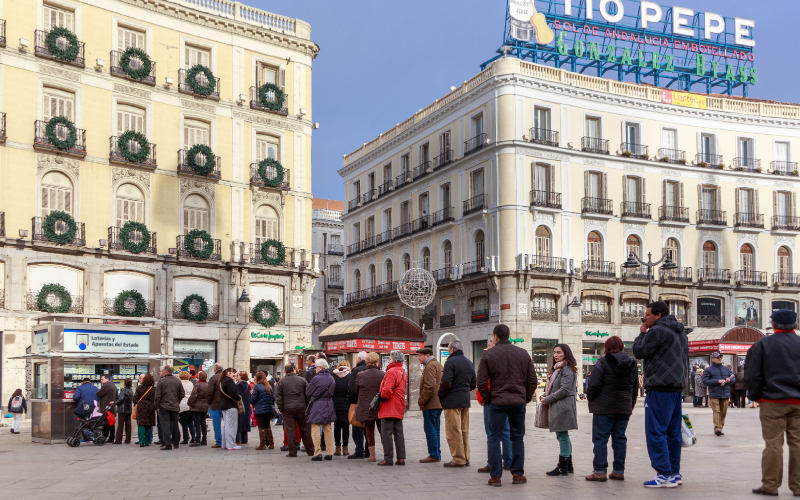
(687, 433)
(541, 420)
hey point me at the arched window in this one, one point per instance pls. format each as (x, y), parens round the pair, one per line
(709, 255)
(632, 244)
(594, 247)
(426, 259)
(389, 271)
(672, 250)
(542, 242)
(448, 255)
(746, 258)
(357, 276)
(784, 261)
(373, 279)
(480, 247)
(266, 224)
(406, 262)
(196, 213)
(56, 193)
(129, 204)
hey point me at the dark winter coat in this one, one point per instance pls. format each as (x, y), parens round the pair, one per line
(169, 393)
(22, 409)
(352, 397)
(126, 406)
(320, 395)
(212, 393)
(107, 395)
(368, 384)
(665, 351)
(245, 421)
(772, 367)
(711, 377)
(197, 399)
(509, 371)
(614, 385)
(231, 394)
(145, 405)
(291, 392)
(262, 400)
(563, 412)
(86, 393)
(340, 404)
(458, 380)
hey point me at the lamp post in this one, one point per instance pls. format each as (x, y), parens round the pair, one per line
(243, 299)
(634, 261)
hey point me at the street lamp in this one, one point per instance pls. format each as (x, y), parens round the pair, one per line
(634, 261)
(243, 299)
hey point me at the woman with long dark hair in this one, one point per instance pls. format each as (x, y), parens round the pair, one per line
(559, 396)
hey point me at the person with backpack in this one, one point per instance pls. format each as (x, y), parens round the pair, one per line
(17, 405)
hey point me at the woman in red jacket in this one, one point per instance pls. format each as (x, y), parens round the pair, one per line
(392, 409)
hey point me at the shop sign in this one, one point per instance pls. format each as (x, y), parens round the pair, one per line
(735, 347)
(516, 341)
(590, 359)
(598, 334)
(297, 301)
(683, 99)
(40, 341)
(76, 340)
(267, 336)
(303, 347)
(373, 345)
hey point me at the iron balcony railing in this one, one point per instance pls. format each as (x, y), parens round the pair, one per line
(447, 320)
(255, 102)
(255, 257)
(183, 84)
(426, 323)
(401, 231)
(136, 63)
(115, 243)
(2, 32)
(387, 288)
(784, 167)
(354, 297)
(445, 274)
(674, 214)
(420, 224)
(476, 204)
(479, 315)
(354, 248)
(786, 279)
(53, 300)
(383, 238)
(473, 268)
(271, 172)
(386, 188)
(60, 227)
(404, 178)
(750, 278)
(747, 219)
(115, 155)
(41, 49)
(785, 223)
(3, 134)
(194, 307)
(594, 145)
(544, 314)
(2, 223)
(199, 244)
(474, 144)
(635, 209)
(368, 243)
(707, 160)
(712, 217)
(596, 316)
(335, 249)
(635, 273)
(599, 268)
(544, 137)
(631, 318)
(747, 164)
(678, 275)
(443, 159)
(370, 196)
(130, 306)
(718, 276)
(447, 214)
(709, 321)
(356, 202)
(601, 206)
(633, 150)
(336, 283)
(281, 317)
(423, 169)
(41, 140)
(667, 155)
(544, 264)
(546, 199)
(183, 165)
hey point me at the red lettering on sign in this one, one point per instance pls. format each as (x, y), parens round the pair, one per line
(567, 26)
(557, 24)
(586, 30)
(594, 31)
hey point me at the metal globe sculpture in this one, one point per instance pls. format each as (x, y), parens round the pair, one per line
(416, 288)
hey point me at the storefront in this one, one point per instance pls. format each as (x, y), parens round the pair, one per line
(542, 356)
(594, 340)
(194, 355)
(266, 353)
(733, 344)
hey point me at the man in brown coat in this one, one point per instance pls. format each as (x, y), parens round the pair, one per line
(212, 396)
(429, 403)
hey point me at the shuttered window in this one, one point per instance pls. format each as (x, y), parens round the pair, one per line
(542, 301)
(668, 138)
(426, 259)
(58, 103)
(444, 142)
(477, 182)
(672, 250)
(336, 273)
(542, 242)
(56, 198)
(709, 255)
(633, 307)
(130, 118)
(195, 214)
(266, 147)
(594, 247)
(267, 224)
(633, 245)
(195, 132)
(266, 73)
(595, 304)
(634, 189)
(127, 37)
(389, 271)
(358, 280)
(448, 255)
(56, 17)
(746, 258)
(783, 204)
(784, 261)
(194, 56)
(129, 204)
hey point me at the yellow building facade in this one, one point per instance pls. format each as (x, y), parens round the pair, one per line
(209, 62)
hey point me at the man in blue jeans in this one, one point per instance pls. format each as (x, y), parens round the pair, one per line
(429, 403)
(507, 383)
(663, 346)
(506, 439)
(213, 396)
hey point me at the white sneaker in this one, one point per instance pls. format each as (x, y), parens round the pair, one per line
(235, 448)
(678, 479)
(661, 482)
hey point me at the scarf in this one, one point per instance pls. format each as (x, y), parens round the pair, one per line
(556, 370)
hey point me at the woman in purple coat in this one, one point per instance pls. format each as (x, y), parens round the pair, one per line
(322, 414)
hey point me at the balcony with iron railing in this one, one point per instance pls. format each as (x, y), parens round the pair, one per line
(194, 308)
(596, 316)
(633, 150)
(337, 283)
(474, 268)
(135, 63)
(544, 137)
(42, 141)
(447, 320)
(199, 245)
(750, 278)
(447, 214)
(743, 164)
(707, 160)
(370, 196)
(445, 275)
(129, 306)
(785, 223)
(368, 243)
(255, 257)
(426, 323)
(710, 321)
(115, 153)
(2, 32)
(115, 242)
(546, 264)
(748, 219)
(387, 289)
(2, 224)
(335, 249)
(677, 275)
(3, 134)
(712, 217)
(544, 314)
(673, 214)
(594, 145)
(443, 159)
(354, 248)
(479, 315)
(635, 209)
(633, 273)
(476, 204)
(715, 276)
(37, 229)
(676, 156)
(401, 231)
(423, 169)
(784, 167)
(271, 173)
(406, 177)
(200, 78)
(474, 144)
(54, 301)
(386, 188)
(270, 104)
(631, 318)
(546, 199)
(599, 269)
(356, 202)
(200, 160)
(383, 238)
(41, 49)
(420, 224)
(791, 280)
(601, 206)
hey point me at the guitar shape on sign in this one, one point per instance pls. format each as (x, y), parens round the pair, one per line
(544, 34)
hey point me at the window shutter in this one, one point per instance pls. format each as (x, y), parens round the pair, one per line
(624, 187)
(755, 201)
(700, 196)
(774, 203)
(664, 186)
(738, 208)
(717, 199)
(586, 184)
(282, 79)
(793, 208)
(680, 203)
(643, 196)
(535, 184)
(552, 169)
(605, 186)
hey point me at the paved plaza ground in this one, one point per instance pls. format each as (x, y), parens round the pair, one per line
(716, 468)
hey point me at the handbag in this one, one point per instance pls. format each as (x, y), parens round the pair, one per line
(351, 417)
(541, 421)
(239, 403)
(310, 404)
(140, 400)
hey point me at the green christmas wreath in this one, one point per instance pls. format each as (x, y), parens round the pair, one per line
(50, 130)
(195, 252)
(125, 237)
(58, 290)
(275, 104)
(73, 48)
(125, 149)
(279, 248)
(191, 79)
(264, 164)
(139, 308)
(49, 227)
(272, 309)
(187, 311)
(136, 73)
(191, 159)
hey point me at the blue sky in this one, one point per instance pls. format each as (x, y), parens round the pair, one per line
(382, 61)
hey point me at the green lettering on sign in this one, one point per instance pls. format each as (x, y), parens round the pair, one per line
(700, 65)
(754, 78)
(670, 66)
(612, 54)
(301, 347)
(626, 56)
(268, 336)
(641, 61)
(579, 49)
(654, 56)
(594, 52)
(516, 341)
(743, 75)
(729, 74)
(596, 334)
(562, 47)
(715, 68)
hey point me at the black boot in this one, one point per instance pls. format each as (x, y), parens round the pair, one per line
(561, 468)
(570, 469)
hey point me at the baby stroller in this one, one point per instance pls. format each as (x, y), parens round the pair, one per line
(91, 426)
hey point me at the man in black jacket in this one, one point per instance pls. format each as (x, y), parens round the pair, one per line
(458, 379)
(772, 373)
(105, 396)
(663, 346)
(359, 433)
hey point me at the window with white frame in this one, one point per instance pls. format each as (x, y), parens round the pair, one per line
(678, 309)
(477, 126)
(58, 102)
(266, 147)
(633, 246)
(448, 255)
(426, 259)
(196, 213)
(268, 73)
(129, 204)
(543, 244)
(709, 255)
(267, 224)
(335, 273)
(633, 308)
(58, 17)
(480, 247)
(128, 37)
(781, 163)
(373, 278)
(671, 249)
(357, 276)
(406, 262)
(444, 146)
(593, 127)
(543, 302)
(708, 148)
(194, 56)
(784, 262)
(595, 304)
(746, 258)
(130, 118)
(389, 272)
(746, 149)
(195, 132)
(57, 194)
(784, 205)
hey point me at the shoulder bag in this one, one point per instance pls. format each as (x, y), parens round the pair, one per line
(140, 400)
(239, 403)
(351, 417)
(541, 421)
